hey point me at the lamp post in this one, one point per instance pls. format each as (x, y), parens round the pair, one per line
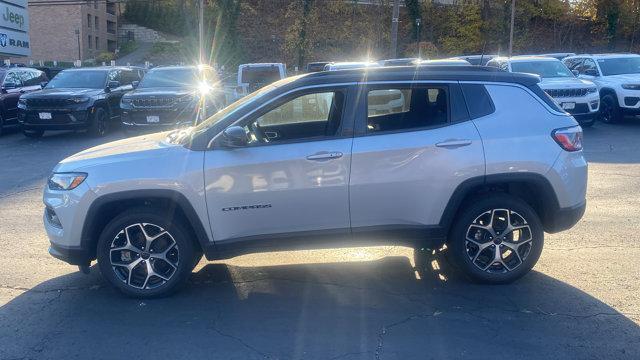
(418, 20)
(78, 36)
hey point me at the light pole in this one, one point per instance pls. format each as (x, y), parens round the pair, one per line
(78, 36)
(201, 31)
(513, 16)
(418, 20)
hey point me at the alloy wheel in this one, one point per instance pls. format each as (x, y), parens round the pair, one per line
(498, 241)
(144, 256)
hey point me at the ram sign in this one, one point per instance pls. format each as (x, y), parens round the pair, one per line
(14, 28)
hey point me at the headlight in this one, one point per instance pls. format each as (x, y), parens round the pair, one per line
(22, 104)
(592, 90)
(631, 86)
(79, 99)
(66, 181)
(127, 100)
(187, 98)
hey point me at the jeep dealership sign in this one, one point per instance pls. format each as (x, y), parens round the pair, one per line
(14, 28)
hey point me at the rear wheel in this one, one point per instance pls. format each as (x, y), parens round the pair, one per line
(33, 133)
(146, 253)
(609, 110)
(497, 239)
(99, 124)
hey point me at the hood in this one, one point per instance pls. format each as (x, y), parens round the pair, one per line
(130, 149)
(61, 92)
(565, 83)
(164, 91)
(624, 78)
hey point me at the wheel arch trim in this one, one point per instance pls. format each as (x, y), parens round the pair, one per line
(89, 240)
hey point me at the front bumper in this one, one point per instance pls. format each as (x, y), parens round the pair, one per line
(61, 119)
(70, 255)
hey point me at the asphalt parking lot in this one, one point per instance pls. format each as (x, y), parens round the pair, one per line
(582, 301)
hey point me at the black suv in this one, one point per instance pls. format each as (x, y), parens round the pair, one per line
(77, 99)
(172, 96)
(15, 82)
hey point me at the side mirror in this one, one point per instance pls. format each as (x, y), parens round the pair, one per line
(113, 84)
(135, 84)
(575, 72)
(234, 136)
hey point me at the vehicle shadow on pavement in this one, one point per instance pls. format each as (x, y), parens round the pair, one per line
(355, 310)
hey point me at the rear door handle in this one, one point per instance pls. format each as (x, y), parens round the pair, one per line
(452, 144)
(325, 155)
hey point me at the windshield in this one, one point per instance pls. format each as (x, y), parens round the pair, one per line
(619, 66)
(170, 78)
(85, 79)
(546, 69)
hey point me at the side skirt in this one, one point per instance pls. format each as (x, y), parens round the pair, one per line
(410, 236)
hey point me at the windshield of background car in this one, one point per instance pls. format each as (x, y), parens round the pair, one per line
(170, 78)
(263, 75)
(546, 69)
(619, 66)
(86, 79)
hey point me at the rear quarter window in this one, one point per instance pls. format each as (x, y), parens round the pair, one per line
(478, 100)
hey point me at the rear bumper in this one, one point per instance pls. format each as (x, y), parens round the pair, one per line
(564, 218)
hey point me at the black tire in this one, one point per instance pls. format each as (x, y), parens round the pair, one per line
(99, 123)
(33, 133)
(183, 254)
(461, 251)
(609, 110)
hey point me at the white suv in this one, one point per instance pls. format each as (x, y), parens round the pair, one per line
(576, 96)
(618, 79)
(478, 159)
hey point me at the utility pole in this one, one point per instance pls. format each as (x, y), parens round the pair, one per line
(418, 20)
(394, 28)
(201, 30)
(513, 16)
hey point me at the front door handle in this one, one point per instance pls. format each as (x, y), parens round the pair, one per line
(325, 155)
(454, 143)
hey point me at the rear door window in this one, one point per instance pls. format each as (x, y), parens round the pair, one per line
(398, 109)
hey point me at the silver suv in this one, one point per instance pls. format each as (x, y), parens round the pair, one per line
(475, 158)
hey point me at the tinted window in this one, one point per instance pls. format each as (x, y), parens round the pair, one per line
(588, 65)
(129, 76)
(478, 100)
(573, 64)
(307, 116)
(618, 66)
(262, 75)
(395, 109)
(90, 79)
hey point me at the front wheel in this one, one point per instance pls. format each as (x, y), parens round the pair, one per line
(609, 110)
(496, 239)
(145, 253)
(99, 123)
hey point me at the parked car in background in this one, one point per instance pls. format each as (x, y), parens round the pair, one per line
(445, 62)
(252, 77)
(172, 96)
(77, 99)
(50, 71)
(15, 82)
(350, 65)
(399, 62)
(576, 96)
(618, 79)
(481, 59)
(316, 66)
(479, 159)
(559, 56)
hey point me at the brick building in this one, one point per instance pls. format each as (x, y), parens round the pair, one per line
(68, 32)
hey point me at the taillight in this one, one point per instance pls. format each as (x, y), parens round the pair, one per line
(569, 138)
